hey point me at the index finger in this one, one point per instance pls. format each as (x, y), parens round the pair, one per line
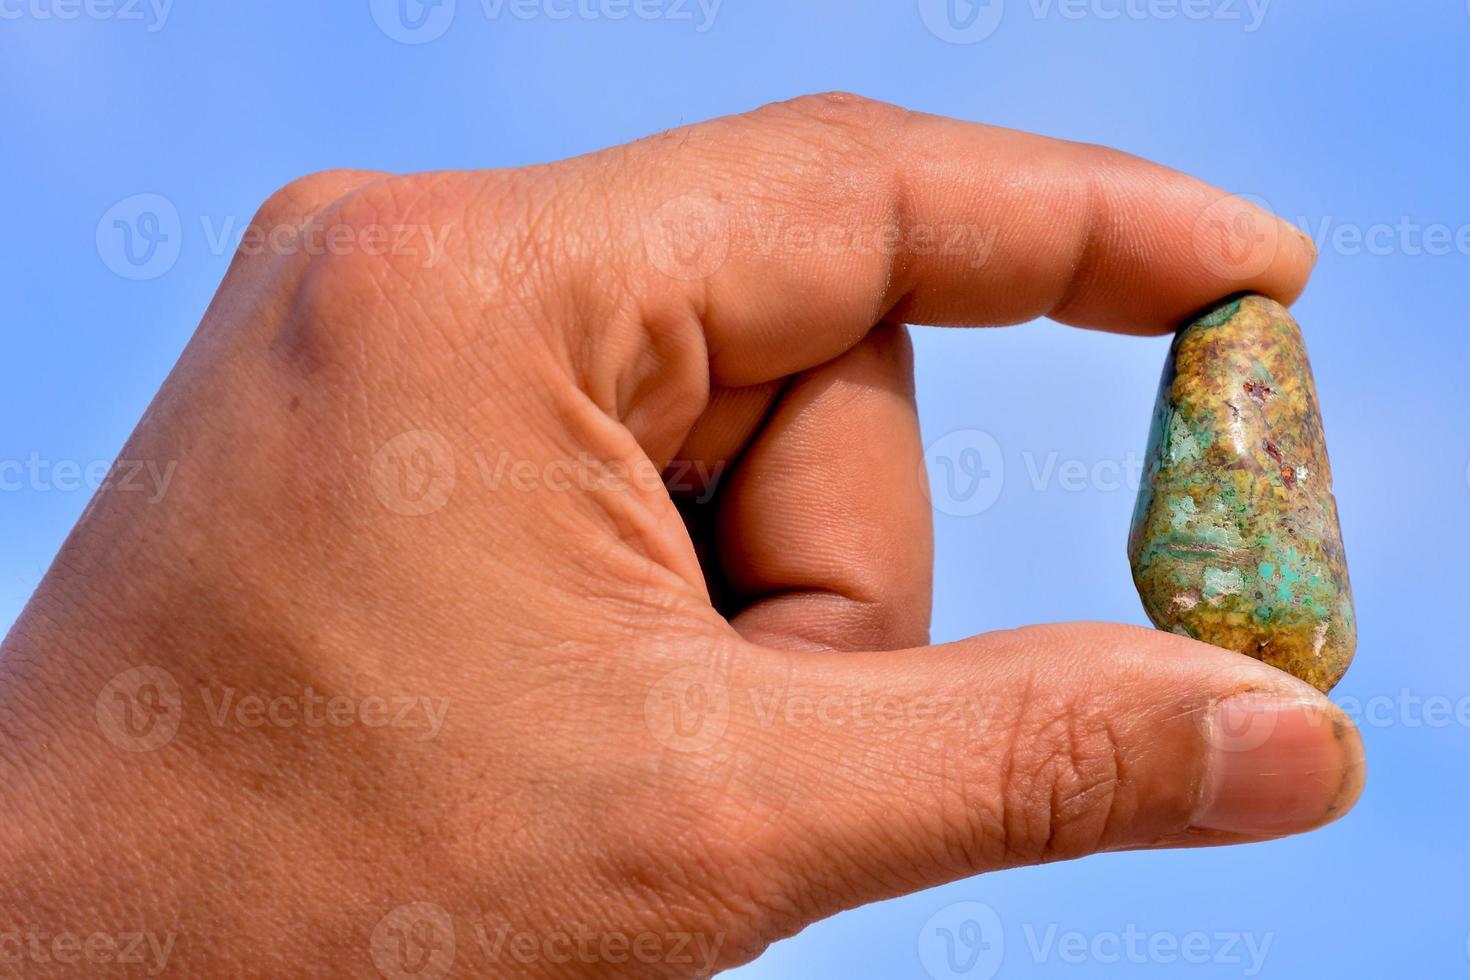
(794, 229)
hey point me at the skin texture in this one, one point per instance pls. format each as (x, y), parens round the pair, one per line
(707, 709)
(1235, 541)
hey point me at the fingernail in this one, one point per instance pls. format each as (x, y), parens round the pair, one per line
(1306, 238)
(1277, 766)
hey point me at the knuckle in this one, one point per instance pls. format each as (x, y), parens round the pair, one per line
(371, 225)
(363, 262)
(298, 200)
(847, 115)
(1065, 788)
(817, 136)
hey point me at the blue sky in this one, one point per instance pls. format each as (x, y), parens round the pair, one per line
(1349, 117)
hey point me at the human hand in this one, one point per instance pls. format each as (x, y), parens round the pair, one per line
(575, 699)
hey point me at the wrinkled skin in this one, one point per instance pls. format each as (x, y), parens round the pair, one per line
(610, 651)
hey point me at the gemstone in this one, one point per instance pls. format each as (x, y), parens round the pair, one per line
(1235, 539)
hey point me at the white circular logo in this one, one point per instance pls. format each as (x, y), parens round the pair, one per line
(966, 471)
(413, 21)
(140, 709)
(1240, 724)
(688, 709)
(965, 939)
(414, 942)
(688, 237)
(413, 474)
(1237, 237)
(140, 237)
(962, 21)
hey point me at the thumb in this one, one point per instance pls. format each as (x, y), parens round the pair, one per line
(898, 771)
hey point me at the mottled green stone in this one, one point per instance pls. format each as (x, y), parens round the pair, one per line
(1235, 539)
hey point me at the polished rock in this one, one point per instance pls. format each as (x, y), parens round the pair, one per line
(1235, 538)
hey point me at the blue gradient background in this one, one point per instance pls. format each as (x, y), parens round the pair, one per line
(1353, 113)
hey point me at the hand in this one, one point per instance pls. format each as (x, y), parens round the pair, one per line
(418, 649)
